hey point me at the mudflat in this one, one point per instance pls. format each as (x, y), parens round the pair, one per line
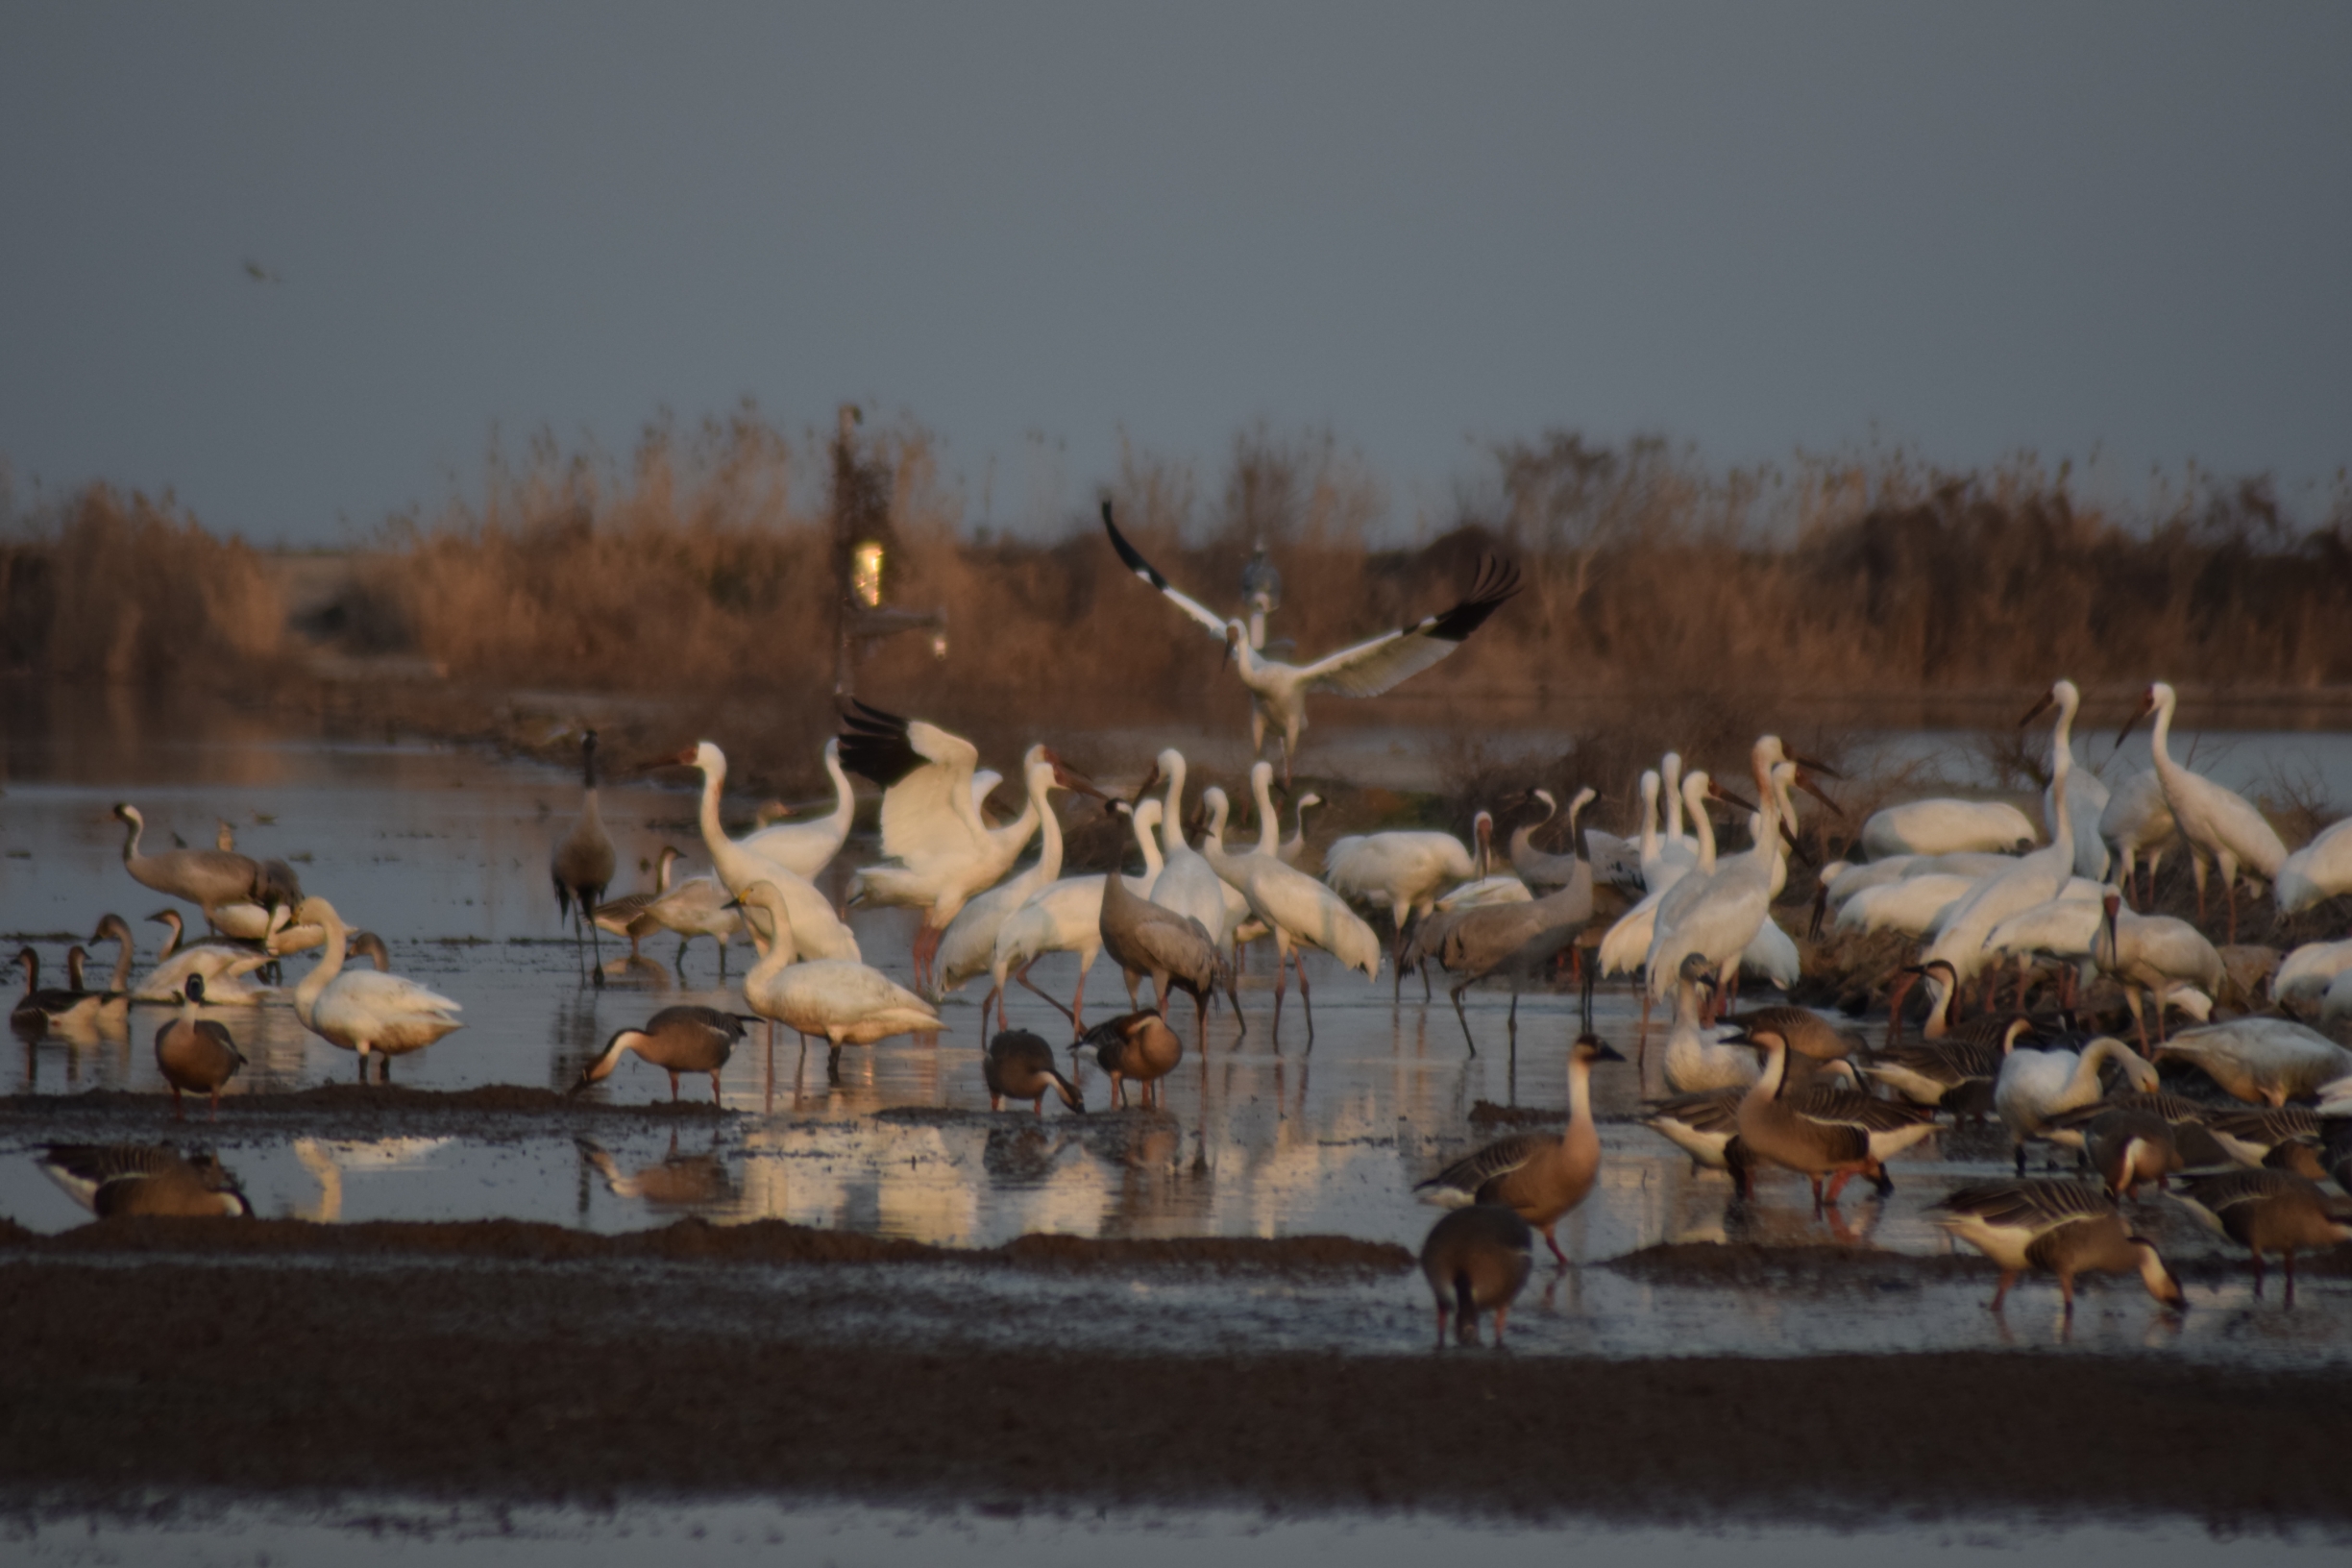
(429, 1359)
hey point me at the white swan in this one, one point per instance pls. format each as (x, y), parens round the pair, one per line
(362, 1009)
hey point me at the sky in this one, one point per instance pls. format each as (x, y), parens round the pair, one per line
(2116, 233)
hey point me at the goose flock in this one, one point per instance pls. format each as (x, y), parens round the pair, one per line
(2052, 909)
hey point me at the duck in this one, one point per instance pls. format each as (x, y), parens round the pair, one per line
(155, 1178)
(1136, 1046)
(366, 1011)
(1021, 1064)
(2035, 1084)
(1835, 1133)
(1539, 1177)
(682, 1038)
(2269, 1210)
(196, 1055)
(1477, 1259)
(2067, 1228)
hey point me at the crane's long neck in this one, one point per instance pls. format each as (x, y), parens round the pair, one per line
(330, 964)
(1650, 816)
(122, 961)
(1270, 826)
(1049, 850)
(714, 836)
(2160, 744)
(1145, 837)
(1767, 849)
(1674, 799)
(133, 825)
(1212, 842)
(844, 799)
(1694, 796)
(1172, 808)
(661, 872)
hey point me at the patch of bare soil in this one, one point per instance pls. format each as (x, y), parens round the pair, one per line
(522, 1382)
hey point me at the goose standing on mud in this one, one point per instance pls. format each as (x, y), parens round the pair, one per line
(1278, 690)
(1538, 1177)
(196, 1055)
(207, 878)
(2222, 827)
(582, 864)
(367, 1011)
(683, 1039)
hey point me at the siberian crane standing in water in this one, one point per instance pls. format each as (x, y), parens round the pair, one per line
(2222, 825)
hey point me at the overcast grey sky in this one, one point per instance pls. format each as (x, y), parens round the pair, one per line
(2116, 228)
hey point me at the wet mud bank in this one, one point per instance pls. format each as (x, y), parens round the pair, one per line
(269, 1376)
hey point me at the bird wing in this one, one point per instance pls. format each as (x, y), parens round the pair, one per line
(926, 775)
(1150, 573)
(1472, 1172)
(2030, 1204)
(1371, 667)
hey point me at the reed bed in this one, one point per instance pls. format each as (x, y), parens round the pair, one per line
(1681, 599)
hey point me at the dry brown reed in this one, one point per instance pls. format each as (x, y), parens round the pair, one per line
(1667, 604)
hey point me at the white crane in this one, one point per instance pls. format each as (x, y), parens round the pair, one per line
(1186, 883)
(969, 945)
(2033, 879)
(1065, 917)
(817, 932)
(1278, 690)
(806, 848)
(1676, 851)
(1615, 859)
(2320, 870)
(941, 851)
(2222, 827)
(2087, 799)
(1402, 870)
(1626, 945)
(1296, 908)
(1944, 825)
(1719, 916)
(2154, 953)
(2138, 821)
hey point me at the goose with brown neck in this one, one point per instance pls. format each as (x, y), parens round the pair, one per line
(1538, 1177)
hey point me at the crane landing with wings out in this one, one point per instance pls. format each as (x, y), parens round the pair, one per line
(1278, 690)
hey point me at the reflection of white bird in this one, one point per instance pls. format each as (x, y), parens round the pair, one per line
(805, 848)
(364, 1010)
(2321, 870)
(2222, 827)
(1278, 690)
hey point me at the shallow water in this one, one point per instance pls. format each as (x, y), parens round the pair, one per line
(395, 1531)
(444, 852)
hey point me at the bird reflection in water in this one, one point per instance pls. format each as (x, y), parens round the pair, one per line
(1025, 1152)
(675, 1181)
(153, 1179)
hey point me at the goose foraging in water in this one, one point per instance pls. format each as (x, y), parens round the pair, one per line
(1021, 1064)
(1138, 1046)
(682, 1038)
(2067, 1228)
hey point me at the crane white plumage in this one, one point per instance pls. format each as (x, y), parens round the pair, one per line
(2222, 827)
(1278, 690)
(2320, 870)
(1719, 915)
(817, 932)
(1299, 910)
(969, 946)
(846, 1002)
(805, 848)
(1402, 871)
(362, 1009)
(1944, 825)
(2137, 822)
(941, 851)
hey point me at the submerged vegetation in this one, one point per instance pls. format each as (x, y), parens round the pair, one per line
(700, 570)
